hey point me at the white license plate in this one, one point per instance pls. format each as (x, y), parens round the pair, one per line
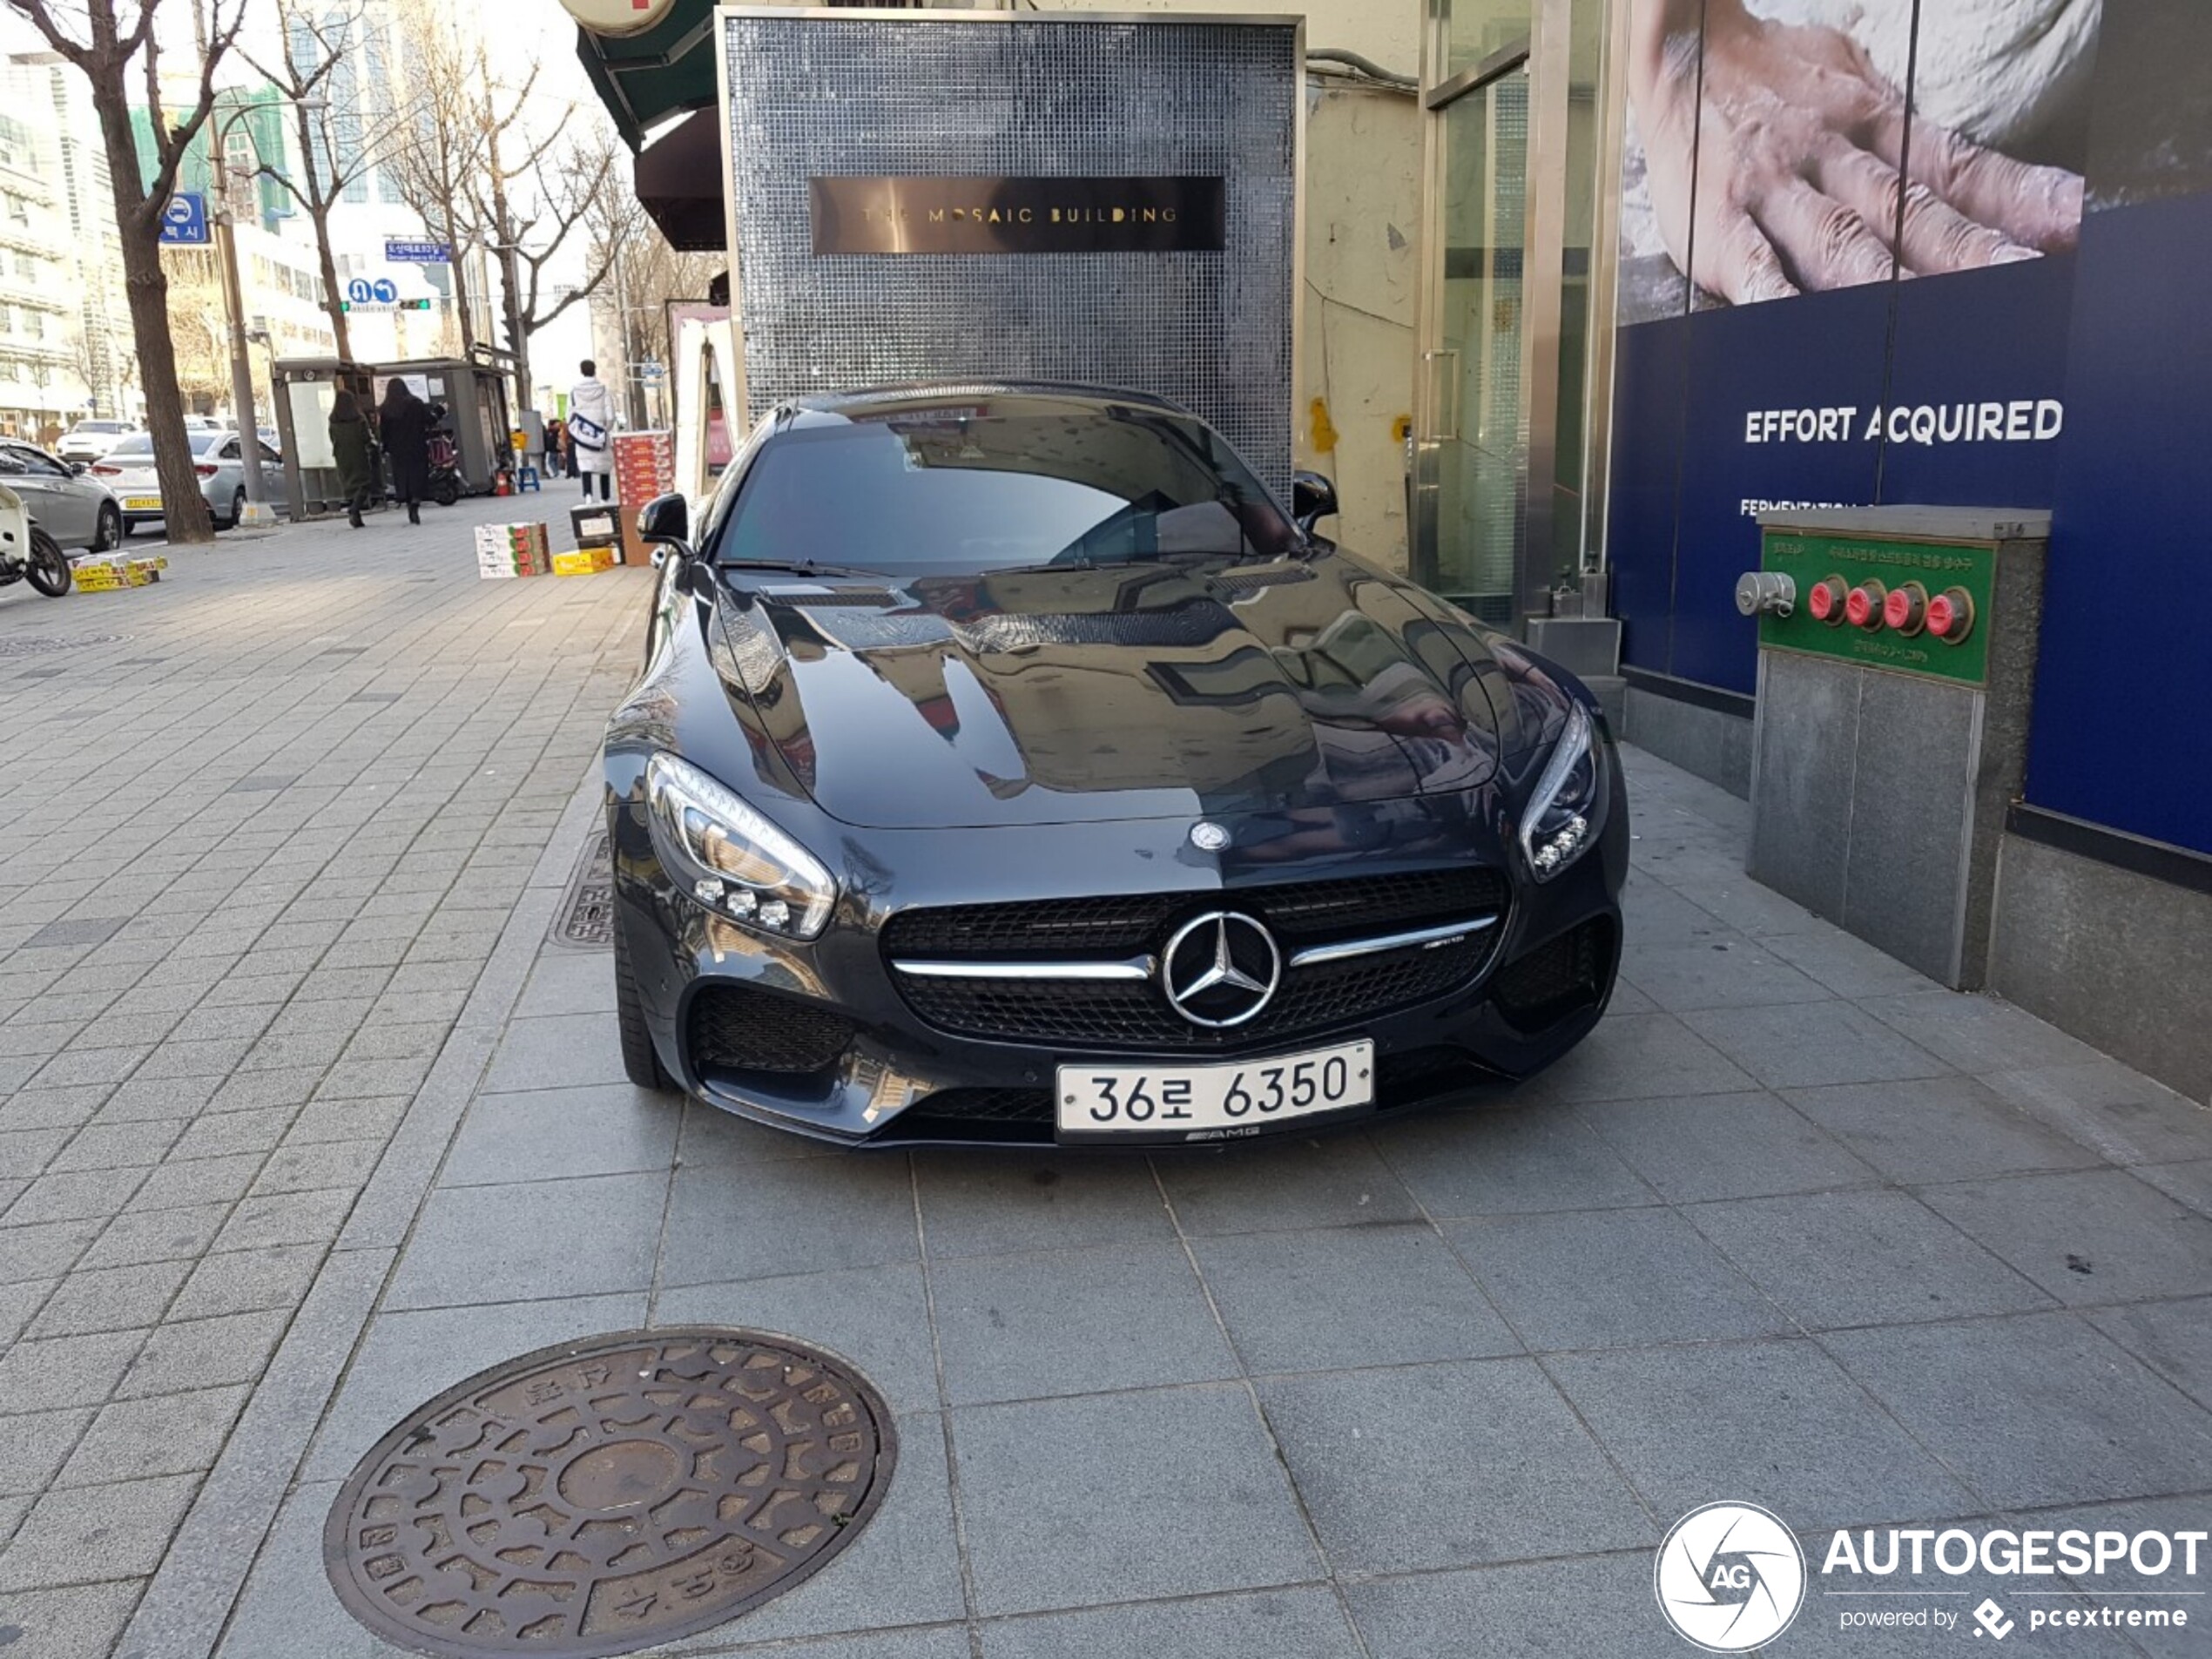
(142, 503)
(1218, 1102)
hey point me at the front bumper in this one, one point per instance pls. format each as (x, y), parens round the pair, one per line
(895, 1079)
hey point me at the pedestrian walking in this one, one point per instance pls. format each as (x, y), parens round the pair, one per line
(591, 424)
(553, 440)
(406, 421)
(349, 444)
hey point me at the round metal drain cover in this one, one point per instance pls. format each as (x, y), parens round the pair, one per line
(43, 644)
(600, 1497)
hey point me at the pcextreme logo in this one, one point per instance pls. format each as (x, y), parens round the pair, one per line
(1729, 1577)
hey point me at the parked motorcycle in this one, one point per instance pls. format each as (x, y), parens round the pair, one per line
(27, 550)
(447, 486)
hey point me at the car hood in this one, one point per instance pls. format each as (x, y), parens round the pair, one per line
(1147, 690)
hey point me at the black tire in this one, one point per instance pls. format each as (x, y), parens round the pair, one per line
(445, 492)
(640, 1059)
(237, 511)
(48, 566)
(108, 534)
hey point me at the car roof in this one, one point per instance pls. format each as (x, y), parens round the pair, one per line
(831, 407)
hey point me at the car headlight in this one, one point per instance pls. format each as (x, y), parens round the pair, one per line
(732, 860)
(1561, 822)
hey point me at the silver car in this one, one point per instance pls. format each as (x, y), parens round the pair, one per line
(216, 457)
(76, 510)
(88, 440)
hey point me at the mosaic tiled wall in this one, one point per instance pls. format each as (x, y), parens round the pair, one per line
(1031, 96)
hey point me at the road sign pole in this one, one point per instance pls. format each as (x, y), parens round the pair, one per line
(249, 432)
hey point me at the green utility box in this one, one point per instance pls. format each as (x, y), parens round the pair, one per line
(1897, 667)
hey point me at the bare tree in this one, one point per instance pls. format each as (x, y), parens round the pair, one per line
(531, 220)
(644, 274)
(437, 143)
(338, 144)
(107, 41)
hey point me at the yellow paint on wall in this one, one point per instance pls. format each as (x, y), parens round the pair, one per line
(1401, 428)
(1323, 429)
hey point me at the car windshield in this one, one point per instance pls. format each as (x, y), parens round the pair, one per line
(96, 427)
(139, 443)
(986, 484)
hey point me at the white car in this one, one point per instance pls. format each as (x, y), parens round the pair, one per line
(88, 440)
(128, 471)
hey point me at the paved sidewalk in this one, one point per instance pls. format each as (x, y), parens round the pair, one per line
(1795, 1227)
(267, 822)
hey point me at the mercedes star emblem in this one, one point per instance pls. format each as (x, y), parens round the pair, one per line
(1208, 838)
(1220, 969)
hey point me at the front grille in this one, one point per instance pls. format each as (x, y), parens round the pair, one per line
(735, 1028)
(1135, 1014)
(1558, 978)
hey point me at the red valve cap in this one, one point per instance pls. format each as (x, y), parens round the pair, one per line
(1824, 599)
(1863, 610)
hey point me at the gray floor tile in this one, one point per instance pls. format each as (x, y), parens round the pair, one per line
(1785, 1048)
(877, 1318)
(566, 1051)
(175, 1434)
(1979, 1034)
(1641, 1056)
(45, 1252)
(97, 1532)
(1280, 1624)
(1938, 1129)
(613, 1129)
(1727, 971)
(763, 1220)
(1358, 1443)
(1074, 1322)
(933, 1642)
(1513, 1612)
(1330, 1181)
(2101, 1235)
(1723, 1146)
(203, 1353)
(1864, 1258)
(67, 1371)
(1349, 1296)
(566, 982)
(2118, 1112)
(1611, 1277)
(2174, 1338)
(39, 1444)
(2038, 1410)
(80, 1623)
(156, 1235)
(1066, 1501)
(2189, 1184)
(405, 1359)
(1772, 1423)
(539, 1239)
(1518, 1161)
(720, 1140)
(978, 1205)
(118, 1298)
(268, 1219)
(1845, 964)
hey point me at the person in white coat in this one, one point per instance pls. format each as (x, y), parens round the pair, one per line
(591, 432)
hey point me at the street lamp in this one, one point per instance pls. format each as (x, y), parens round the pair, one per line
(257, 512)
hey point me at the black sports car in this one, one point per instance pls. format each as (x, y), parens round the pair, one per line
(1008, 766)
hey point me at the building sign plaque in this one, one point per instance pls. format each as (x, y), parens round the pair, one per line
(880, 213)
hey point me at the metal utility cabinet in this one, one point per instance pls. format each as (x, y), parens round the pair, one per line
(1896, 669)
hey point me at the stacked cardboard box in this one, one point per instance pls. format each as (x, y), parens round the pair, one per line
(645, 468)
(595, 524)
(111, 574)
(586, 561)
(504, 550)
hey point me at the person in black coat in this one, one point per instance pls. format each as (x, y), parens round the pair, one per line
(405, 421)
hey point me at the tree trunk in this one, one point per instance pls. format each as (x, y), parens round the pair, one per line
(147, 288)
(333, 303)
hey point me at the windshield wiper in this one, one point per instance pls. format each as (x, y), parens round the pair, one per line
(801, 567)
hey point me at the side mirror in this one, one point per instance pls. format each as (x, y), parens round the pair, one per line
(666, 521)
(79, 468)
(1313, 499)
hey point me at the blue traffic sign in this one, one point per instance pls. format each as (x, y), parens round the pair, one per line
(401, 251)
(384, 291)
(184, 221)
(360, 291)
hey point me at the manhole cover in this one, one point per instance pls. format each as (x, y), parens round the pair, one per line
(587, 915)
(601, 1497)
(42, 644)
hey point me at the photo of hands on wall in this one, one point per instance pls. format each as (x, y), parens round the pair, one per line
(1772, 151)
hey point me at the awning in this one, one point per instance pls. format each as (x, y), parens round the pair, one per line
(644, 78)
(679, 183)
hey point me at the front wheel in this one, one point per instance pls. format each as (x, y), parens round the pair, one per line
(109, 535)
(47, 567)
(640, 1059)
(238, 511)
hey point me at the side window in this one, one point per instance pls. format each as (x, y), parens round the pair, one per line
(230, 450)
(11, 463)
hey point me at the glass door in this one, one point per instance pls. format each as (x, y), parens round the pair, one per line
(1477, 428)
